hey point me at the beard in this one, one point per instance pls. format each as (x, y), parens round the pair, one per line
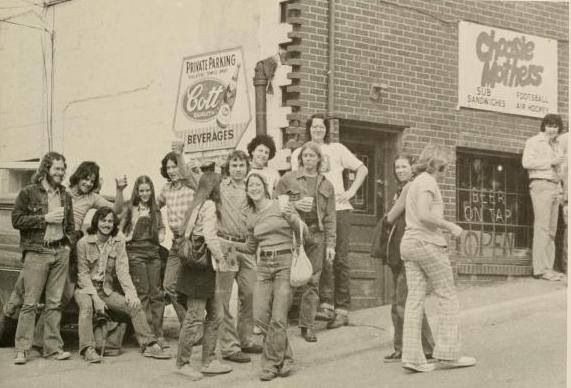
(51, 181)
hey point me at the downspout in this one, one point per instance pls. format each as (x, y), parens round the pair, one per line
(260, 85)
(331, 61)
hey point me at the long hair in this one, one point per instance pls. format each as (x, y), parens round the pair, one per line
(552, 120)
(172, 157)
(264, 183)
(100, 214)
(44, 169)
(154, 212)
(403, 156)
(313, 146)
(84, 171)
(308, 127)
(208, 188)
(432, 158)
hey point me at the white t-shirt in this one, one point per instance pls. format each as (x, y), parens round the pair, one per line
(336, 158)
(414, 227)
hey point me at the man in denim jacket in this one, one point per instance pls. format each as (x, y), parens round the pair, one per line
(43, 214)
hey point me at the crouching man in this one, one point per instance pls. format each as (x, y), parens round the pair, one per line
(101, 257)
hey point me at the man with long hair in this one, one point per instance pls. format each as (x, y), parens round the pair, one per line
(43, 213)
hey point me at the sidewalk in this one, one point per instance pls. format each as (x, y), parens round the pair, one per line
(372, 328)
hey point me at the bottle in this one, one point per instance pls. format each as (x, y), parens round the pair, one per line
(228, 100)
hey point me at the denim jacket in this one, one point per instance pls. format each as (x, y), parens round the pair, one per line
(29, 213)
(294, 185)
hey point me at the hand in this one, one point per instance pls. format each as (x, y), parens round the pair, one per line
(346, 196)
(132, 300)
(177, 146)
(55, 216)
(287, 210)
(303, 205)
(330, 255)
(455, 230)
(98, 304)
(121, 182)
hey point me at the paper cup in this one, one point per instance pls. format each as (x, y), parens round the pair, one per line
(284, 200)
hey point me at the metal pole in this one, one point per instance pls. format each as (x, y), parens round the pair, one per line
(260, 85)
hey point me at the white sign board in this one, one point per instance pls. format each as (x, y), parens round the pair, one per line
(506, 71)
(213, 106)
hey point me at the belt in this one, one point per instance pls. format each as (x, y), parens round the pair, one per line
(229, 237)
(273, 253)
(545, 179)
(54, 244)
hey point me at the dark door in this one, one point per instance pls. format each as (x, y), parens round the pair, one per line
(376, 149)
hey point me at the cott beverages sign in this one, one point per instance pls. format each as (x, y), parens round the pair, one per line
(506, 71)
(213, 106)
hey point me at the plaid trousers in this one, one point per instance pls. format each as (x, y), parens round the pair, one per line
(425, 264)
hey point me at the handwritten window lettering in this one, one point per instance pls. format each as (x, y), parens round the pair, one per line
(493, 206)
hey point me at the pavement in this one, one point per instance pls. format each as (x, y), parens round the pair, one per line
(337, 354)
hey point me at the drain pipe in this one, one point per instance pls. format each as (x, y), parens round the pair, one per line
(331, 61)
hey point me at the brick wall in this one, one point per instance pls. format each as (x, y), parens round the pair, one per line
(411, 46)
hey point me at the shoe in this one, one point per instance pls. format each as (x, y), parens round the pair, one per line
(308, 334)
(111, 352)
(253, 349)
(286, 368)
(216, 368)
(461, 362)
(550, 276)
(21, 358)
(60, 355)
(430, 358)
(90, 355)
(393, 357)
(155, 351)
(190, 372)
(325, 315)
(163, 343)
(340, 320)
(419, 367)
(268, 375)
(239, 357)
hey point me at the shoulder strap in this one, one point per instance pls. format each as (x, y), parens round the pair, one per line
(191, 221)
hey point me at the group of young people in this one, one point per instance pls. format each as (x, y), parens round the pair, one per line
(114, 268)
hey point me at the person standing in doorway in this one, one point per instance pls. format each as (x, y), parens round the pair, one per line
(335, 283)
(43, 213)
(543, 159)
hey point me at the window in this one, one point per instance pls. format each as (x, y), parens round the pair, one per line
(493, 205)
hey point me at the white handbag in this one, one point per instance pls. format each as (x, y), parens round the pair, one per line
(301, 268)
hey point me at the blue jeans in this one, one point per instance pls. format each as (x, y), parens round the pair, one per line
(169, 282)
(233, 337)
(315, 249)
(145, 272)
(192, 328)
(272, 297)
(335, 284)
(43, 271)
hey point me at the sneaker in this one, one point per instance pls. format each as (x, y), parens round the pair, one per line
(190, 372)
(308, 334)
(268, 375)
(163, 343)
(216, 368)
(325, 314)
(90, 355)
(253, 349)
(60, 355)
(111, 352)
(393, 357)
(419, 367)
(21, 358)
(461, 362)
(340, 320)
(155, 351)
(239, 357)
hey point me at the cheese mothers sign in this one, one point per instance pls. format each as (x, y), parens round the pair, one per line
(213, 106)
(506, 71)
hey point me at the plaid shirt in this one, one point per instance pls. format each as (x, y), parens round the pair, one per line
(177, 201)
